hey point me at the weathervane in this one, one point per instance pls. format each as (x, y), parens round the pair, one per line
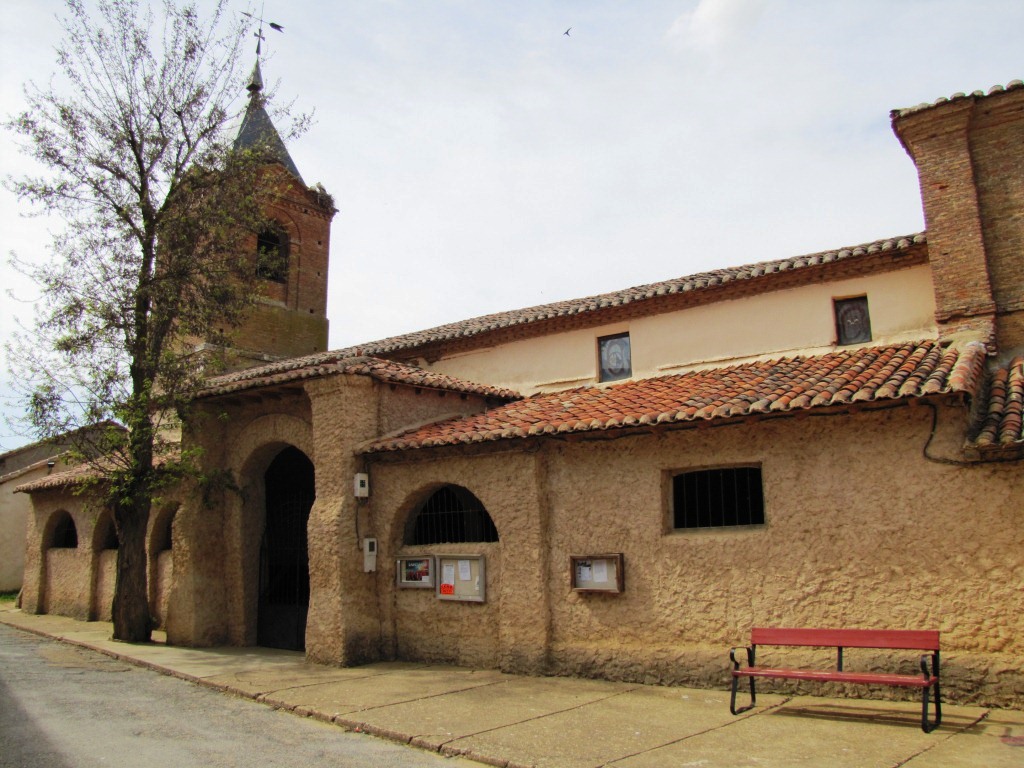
(259, 33)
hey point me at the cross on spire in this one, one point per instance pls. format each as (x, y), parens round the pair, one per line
(258, 34)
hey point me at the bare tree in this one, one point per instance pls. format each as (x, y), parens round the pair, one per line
(155, 262)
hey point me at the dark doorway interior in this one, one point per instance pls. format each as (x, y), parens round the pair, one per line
(284, 556)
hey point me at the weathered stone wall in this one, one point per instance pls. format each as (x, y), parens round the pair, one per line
(861, 531)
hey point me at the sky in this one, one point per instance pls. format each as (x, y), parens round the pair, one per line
(482, 160)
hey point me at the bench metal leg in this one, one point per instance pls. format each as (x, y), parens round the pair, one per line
(732, 701)
(927, 726)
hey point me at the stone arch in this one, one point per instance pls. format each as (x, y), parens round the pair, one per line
(104, 533)
(251, 454)
(60, 531)
(448, 514)
(283, 583)
(66, 578)
(160, 562)
(421, 627)
(103, 545)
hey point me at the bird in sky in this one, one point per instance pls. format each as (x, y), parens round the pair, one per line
(566, 33)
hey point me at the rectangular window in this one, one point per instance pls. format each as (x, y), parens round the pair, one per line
(613, 356)
(853, 323)
(717, 498)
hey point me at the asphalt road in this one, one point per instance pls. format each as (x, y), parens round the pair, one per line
(68, 707)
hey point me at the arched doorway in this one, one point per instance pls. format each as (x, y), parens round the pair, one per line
(284, 555)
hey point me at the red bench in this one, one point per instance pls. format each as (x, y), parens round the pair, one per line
(898, 639)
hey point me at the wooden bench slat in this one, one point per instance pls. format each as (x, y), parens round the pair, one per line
(834, 676)
(903, 639)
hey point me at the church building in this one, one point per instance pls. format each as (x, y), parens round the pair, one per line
(621, 485)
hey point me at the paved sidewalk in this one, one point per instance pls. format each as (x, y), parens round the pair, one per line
(542, 722)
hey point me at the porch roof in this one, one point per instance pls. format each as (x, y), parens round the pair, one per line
(330, 363)
(847, 378)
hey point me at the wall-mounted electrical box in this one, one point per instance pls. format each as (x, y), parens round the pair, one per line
(369, 554)
(361, 485)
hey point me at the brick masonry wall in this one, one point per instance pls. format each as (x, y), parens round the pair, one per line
(290, 320)
(972, 187)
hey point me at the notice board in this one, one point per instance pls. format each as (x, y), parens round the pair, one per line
(597, 573)
(461, 577)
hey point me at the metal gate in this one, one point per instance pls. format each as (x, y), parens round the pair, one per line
(284, 554)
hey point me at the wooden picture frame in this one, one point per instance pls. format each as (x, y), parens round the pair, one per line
(416, 572)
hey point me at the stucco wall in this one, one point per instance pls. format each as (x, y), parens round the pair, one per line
(901, 306)
(162, 587)
(510, 629)
(67, 583)
(14, 512)
(105, 576)
(861, 531)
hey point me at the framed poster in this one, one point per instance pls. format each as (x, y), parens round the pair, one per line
(416, 572)
(461, 577)
(597, 573)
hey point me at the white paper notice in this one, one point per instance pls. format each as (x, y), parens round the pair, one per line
(584, 573)
(448, 573)
(601, 571)
(464, 570)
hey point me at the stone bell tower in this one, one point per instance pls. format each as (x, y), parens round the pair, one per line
(290, 316)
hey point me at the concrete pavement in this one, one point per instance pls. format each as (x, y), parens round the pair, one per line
(540, 722)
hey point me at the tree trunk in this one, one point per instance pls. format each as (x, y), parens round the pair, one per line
(130, 611)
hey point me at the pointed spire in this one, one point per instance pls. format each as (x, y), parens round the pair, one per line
(255, 85)
(258, 131)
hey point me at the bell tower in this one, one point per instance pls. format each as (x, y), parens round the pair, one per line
(290, 316)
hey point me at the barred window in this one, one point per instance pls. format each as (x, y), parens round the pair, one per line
(450, 515)
(717, 498)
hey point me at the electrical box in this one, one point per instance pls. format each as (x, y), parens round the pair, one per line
(369, 554)
(362, 485)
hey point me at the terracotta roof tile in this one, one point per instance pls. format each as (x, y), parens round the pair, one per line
(698, 282)
(1010, 86)
(787, 385)
(1002, 428)
(328, 363)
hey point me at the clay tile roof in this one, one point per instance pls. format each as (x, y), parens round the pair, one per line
(328, 363)
(67, 478)
(784, 386)
(699, 282)
(1002, 430)
(1010, 86)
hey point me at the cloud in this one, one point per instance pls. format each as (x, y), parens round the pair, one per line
(714, 23)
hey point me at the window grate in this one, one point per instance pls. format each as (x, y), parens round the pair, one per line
(451, 515)
(718, 498)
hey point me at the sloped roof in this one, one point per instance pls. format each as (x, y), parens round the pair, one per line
(1002, 427)
(691, 284)
(329, 363)
(258, 131)
(774, 387)
(1010, 86)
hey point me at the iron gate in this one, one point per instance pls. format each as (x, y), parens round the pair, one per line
(284, 554)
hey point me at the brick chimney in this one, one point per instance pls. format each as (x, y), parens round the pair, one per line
(969, 152)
